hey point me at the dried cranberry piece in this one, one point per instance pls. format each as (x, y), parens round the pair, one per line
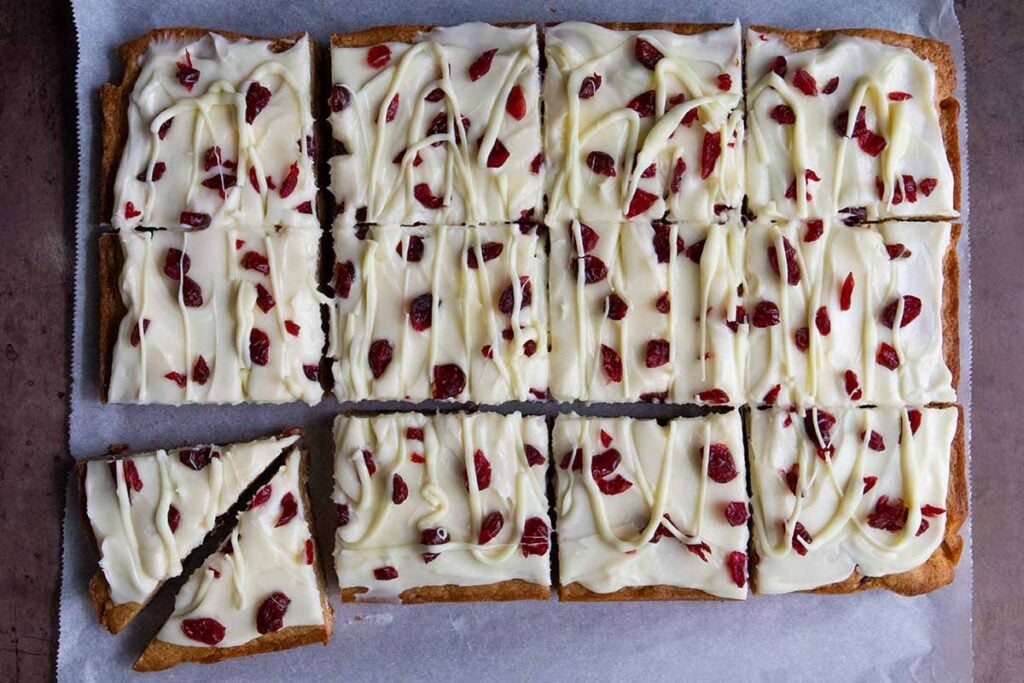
(871, 143)
(594, 269)
(792, 266)
(899, 96)
(855, 215)
(800, 534)
(498, 156)
(482, 470)
(290, 180)
(421, 312)
(614, 486)
(164, 128)
(572, 459)
(289, 508)
(536, 163)
(203, 630)
(831, 86)
(191, 292)
(887, 357)
(371, 466)
(846, 293)
(261, 497)
(392, 111)
(252, 260)
(663, 303)
(604, 463)
(188, 75)
(399, 489)
(606, 439)
(642, 200)
(646, 54)
(650, 171)
(601, 163)
(479, 68)
(825, 421)
(737, 564)
(852, 384)
(379, 357)
(860, 125)
(259, 346)
(589, 87)
(449, 381)
(779, 66)
(643, 104)
(695, 251)
(805, 83)
(308, 551)
(932, 511)
(312, 372)
(891, 517)
(506, 302)
(724, 82)
(869, 483)
(910, 188)
(783, 114)
(876, 442)
(662, 234)
(264, 299)
(515, 105)
(792, 477)
(200, 371)
(678, 169)
(772, 396)
(822, 321)
(387, 573)
(710, 150)
(158, 172)
(490, 527)
(175, 263)
(339, 99)
(424, 196)
(212, 158)
(197, 458)
(612, 363)
(927, 186)
(802, 339)
(378, 56)
(489, 251)
(529, 348)
(701, 550)
(736, 513)
(615, 307)
(256, 98)
(173, 518)
(766, 314)
(435, 536)
(534, 540)
(911, 309)
(815, 229)
(194, 219)
(914, 416)
(344, 274)
(713, 396)
(721, 466)
(533, 455)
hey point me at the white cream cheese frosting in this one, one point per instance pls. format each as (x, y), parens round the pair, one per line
(432, 312)
(890, 162)
(643, 124)
(219, 316)
(435, 500)
(873, 500)
(633, 318)
(645, 504)
(823, 319)
(219, 135)
(443, 130)
(149, 511)
(263, 579)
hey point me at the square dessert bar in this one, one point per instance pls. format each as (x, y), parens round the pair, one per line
(647, 311)
(146, 512)
(262, 591)
(210, 316)
(849, 499)
(439, 312)
(210, 130)
(436, 125)
(822, 300)
(651, 511)
(643, 121)
(443, 508)
(853, 122)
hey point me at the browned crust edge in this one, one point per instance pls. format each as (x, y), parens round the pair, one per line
(110, 614)
(934, 51)
(112, 308)
(160, 655)
(950, 310)
(576, 592)
(939, 569)
(502, 591)
(114, 97)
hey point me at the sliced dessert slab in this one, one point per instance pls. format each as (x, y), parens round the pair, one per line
(823, 300)
(860, 122)
(439, 312)
(449, 508)
(210, 316)
(147, 512)
(854, 499)
(643, 121)
(647, 311)
(651, 511)
(262, 591)
(210, 129)
(436, 125)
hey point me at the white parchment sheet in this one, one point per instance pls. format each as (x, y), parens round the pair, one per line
(872, 636)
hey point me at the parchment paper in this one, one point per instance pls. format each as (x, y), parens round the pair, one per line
(876, 636)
